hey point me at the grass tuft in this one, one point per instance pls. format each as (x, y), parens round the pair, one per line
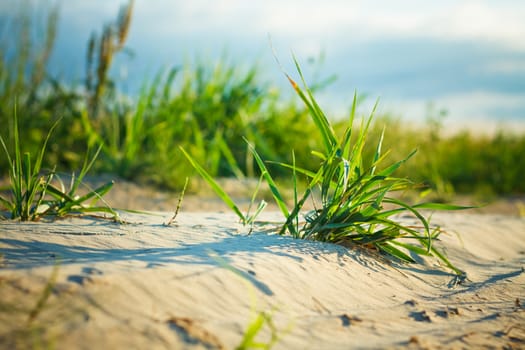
(33, 192)
(357, 193)
(357, 202)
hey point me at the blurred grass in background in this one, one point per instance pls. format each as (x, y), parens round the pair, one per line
(207, 108)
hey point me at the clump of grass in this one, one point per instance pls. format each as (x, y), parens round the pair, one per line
(33, 194)
(357, 203)
(28, 187)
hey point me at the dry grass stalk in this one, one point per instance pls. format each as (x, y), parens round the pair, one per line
(110, 43)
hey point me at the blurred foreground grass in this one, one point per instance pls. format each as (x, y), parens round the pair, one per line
(207, 109)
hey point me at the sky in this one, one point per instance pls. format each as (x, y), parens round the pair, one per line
(467, 57)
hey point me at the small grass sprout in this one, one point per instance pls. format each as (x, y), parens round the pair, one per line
(260, 320)
(256, 325)
(179, 204)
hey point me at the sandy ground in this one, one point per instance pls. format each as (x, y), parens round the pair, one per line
(201, 282)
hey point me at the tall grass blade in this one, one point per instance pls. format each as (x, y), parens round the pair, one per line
(273, 188)
(327, 133)
(271, 183)
(215, 186)
(262, 204)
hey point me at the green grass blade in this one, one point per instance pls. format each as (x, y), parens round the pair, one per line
(40, 157)
(389, 170)
(99, 192)
(215, 186)
(445, 260)
(97, 209)
(86, 166)
(6, 204)
(255, 326)
(59, 194)
(230, 158)
(6, 151)
(251, 218)
(298, 207)
(18, 159)
(345, 143)
(271, 183)
(418, 215)
(275, 191)
(294, 184)
(441, 206)
(377, 155)
(412, 248)
(27, 169)
(388, 248)
(327, 133)
(296, 169)
(42, 193)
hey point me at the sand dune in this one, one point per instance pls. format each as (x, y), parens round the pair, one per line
(199, 284)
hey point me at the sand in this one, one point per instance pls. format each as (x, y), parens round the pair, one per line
(199, 283)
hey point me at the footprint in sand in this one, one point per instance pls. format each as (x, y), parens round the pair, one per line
(92, 271)
(86, 276)
(420, 316)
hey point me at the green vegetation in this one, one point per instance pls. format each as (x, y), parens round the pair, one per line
(354, 193)
(28, 188)
(207, 109)
(245, 218)
(255, 326)
(34, 195)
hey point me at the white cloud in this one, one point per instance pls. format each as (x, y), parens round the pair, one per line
(482, 19)
(491, 21)
(499, 21)
(313, 20)
(475, 110)
(469, 104)
(307, 18)
(508, 66)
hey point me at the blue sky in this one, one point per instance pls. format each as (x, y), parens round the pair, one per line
(465, 56)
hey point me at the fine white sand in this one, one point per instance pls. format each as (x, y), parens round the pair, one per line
(199, 283)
